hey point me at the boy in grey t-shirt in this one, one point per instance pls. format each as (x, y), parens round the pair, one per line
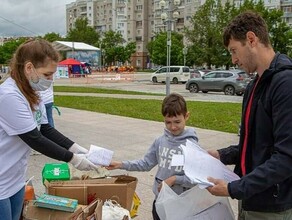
(174, 110)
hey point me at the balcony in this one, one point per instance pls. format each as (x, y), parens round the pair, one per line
(139, 38)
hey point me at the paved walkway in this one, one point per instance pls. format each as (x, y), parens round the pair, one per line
(129, 139)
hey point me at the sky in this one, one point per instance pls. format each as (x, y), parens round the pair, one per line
(32, 17)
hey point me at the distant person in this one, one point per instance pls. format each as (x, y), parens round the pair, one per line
(24, 124)
(174, 111)
(263, 157)
(47, 97)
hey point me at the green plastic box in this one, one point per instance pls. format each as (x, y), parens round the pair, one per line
(56, 171)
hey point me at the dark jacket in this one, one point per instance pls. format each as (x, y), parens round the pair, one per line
(267, 185)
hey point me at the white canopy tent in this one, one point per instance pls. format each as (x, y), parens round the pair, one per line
(70, 45)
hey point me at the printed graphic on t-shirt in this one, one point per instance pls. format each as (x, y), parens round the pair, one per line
(166, 157)
(38, 118)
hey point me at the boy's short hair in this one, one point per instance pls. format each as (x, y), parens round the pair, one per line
(173, 105)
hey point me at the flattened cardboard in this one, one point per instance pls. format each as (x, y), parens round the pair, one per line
(32, 212)
(119, 188)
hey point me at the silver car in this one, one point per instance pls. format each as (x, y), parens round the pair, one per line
(228, 81)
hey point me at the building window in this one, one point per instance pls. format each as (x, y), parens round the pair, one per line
(139, 7)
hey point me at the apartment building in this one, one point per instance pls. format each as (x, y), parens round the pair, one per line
(136, 20)
(140, 20)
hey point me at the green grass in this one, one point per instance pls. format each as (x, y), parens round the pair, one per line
(208, 115)
(80, 89)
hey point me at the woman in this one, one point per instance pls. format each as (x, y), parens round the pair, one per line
(24, 125)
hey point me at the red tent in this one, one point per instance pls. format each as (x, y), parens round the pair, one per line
(70, 61)
(74, 66)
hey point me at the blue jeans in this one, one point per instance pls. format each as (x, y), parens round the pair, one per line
(49, 110)
(10, 208)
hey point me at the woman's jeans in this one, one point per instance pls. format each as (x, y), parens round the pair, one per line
(49, 110)
(10, 208)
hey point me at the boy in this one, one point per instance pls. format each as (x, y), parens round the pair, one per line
(174, 110)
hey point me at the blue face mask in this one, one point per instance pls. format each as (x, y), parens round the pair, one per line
(42, 83)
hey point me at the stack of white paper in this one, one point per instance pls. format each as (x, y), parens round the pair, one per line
(199, 165)
(100, 156)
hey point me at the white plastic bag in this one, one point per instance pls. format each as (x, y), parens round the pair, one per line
(111, 210)
(170, 206)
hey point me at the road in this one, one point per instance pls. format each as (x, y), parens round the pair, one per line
(141, 82)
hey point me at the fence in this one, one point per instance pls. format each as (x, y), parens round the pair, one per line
(102, 77)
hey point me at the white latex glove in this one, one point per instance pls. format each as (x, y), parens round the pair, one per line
(77, 149)
(80, 162)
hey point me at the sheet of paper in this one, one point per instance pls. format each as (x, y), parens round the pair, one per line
(177, 160)
(100, 156)
(199, 165)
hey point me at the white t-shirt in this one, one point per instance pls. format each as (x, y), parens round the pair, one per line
(16, 117)
(47, 96)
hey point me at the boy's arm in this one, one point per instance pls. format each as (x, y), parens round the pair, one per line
(146, 164)
(114, 165)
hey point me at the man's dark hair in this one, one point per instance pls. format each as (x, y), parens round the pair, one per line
(244, 22)
(173, 105)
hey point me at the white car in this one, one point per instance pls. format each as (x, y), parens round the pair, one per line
(177, 74)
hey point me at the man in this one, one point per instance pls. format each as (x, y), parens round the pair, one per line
(263, 157)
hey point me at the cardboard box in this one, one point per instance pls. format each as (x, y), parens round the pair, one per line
(118, 188)
(92, 211)
(56, 171)
(32, 212)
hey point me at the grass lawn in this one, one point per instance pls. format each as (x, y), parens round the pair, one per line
(98, 90)
(208, 115)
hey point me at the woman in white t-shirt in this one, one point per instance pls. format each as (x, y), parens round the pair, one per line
(24, 124)
(47, 98)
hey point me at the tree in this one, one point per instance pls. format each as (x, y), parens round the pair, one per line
(51, 37)
(278, 29)
(7, 49)
(158, 49)
(114, 50)
(208, 24)
(205, 34)
(83, 33)
(280, 32)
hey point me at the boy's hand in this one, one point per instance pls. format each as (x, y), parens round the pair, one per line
(114, 165)
(169, 181)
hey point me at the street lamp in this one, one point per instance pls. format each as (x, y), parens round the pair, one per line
(185, 51)
(71, 18)
(169, 16)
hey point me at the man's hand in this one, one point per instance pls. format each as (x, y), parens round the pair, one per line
(219, 188)
(114, 165)
(214, 153)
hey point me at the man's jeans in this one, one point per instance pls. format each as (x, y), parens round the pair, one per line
(249, 215)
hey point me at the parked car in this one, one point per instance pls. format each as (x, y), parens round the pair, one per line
(228, 81)
(194, 73)
(204, 71)
(177, 74)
